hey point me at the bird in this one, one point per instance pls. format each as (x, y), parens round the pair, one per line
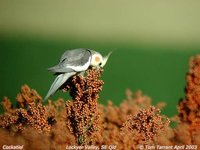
(72, 62)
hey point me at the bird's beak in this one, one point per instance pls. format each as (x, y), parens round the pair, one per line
(105, 59)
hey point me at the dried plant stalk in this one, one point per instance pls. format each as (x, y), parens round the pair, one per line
(31, 112)
(82, 111)
(189, 108)
(146, 124)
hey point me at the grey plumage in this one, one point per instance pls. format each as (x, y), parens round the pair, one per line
(59, 81)
(73, 62)
(76, 57)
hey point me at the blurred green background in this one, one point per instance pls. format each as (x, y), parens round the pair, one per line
(151, 41)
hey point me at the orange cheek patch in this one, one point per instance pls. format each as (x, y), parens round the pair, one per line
(97, 59)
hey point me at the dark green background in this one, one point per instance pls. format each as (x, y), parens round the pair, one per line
(159, 71)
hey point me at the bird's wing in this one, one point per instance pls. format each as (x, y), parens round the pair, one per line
(60, 69)
(58, 82)
(76, 57)
(73, 60)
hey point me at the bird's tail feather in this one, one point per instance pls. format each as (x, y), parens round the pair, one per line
(60, 80)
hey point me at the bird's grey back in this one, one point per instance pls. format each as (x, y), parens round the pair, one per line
(75, 57)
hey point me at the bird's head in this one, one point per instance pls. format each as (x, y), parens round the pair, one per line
(98, 60)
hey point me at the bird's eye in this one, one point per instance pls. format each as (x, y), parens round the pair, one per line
(100, 63)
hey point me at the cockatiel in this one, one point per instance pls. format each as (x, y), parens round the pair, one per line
(73, 62)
